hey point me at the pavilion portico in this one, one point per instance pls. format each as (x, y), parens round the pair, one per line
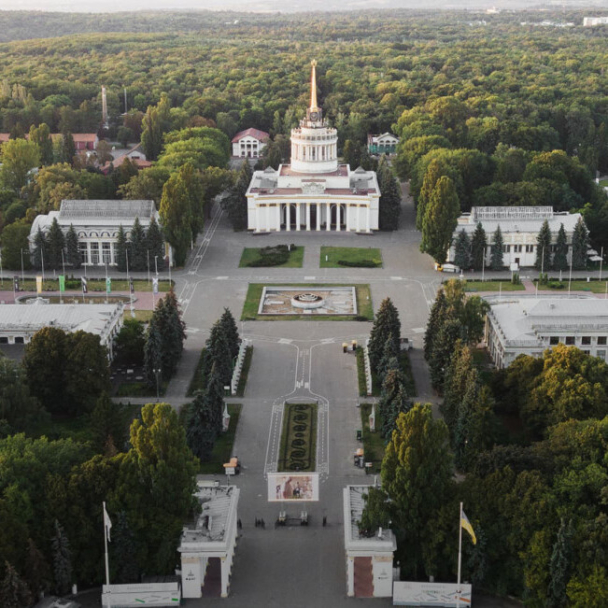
(313, 215)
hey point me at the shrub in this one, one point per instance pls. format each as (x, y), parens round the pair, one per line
(556, 285)
(359, 264)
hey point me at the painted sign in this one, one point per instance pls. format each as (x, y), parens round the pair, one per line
(292, 487)
(448, 595)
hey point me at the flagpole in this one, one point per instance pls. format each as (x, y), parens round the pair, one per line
(105, 544)
(459, 556)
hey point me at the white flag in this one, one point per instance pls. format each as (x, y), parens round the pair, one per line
(107, 522)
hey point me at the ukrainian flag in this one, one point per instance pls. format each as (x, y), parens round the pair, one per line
(466, 524)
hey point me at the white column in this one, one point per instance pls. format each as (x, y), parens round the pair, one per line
(350, 576)
(267, 218)
(279, 217)
(318, 216)
(358, 222)
(328, 216)
(308, 217)
(258, 218)
(348, 216)
(338, 210)
(88, 252)
(112, 254)
(225, 566)
(287, 217)
(297, 216)
(367, 219)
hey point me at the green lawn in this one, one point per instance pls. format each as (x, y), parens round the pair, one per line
(352, 255)
(94, 285)
(296, 257)
(604, 183)
(505, 285)
(254, 293)
(140, 389)
(222, 450)
(593, 286)
(373, 444)
(144, 316)
(298, 437)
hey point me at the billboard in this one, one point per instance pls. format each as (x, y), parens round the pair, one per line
(299, 487)
(447, 595)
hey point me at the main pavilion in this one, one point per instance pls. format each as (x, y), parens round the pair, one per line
(314, 192)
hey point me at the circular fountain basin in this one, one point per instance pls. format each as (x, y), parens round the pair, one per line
(307, 301)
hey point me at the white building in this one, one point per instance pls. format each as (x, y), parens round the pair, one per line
(314, 192)
(369, 560)
(530, 325)
(207, 549)
(249, 143)
(520, 227)
(382, 144)
(96, 223)
(19, 322)
(593, 21)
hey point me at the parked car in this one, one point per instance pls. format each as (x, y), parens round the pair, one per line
(406, 343)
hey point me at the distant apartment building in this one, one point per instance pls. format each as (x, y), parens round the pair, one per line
(593, 21)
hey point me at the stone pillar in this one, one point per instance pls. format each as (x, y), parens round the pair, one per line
(258, 218)
(348, 217)
(268, 218)
(287, 217)
(328, 216)
(308, 217)
(367, 218)
(298, 216)
(279, 217)
(350, 576)
(112, 254)
(318, 216)
(338, 218)
(225, 565)
(358, 222)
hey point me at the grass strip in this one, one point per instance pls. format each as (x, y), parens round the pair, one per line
(298, 438)
(493, 286)
(222, 449)
(369, 257)
(254, 293)
(373, 444)
(140, 389)
(94, 285)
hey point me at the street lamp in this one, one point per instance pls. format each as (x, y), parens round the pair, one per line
(157, 371)
(22, 274)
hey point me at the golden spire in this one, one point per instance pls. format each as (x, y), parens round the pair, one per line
(313, 86)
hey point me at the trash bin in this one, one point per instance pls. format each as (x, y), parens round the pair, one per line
(359, 434)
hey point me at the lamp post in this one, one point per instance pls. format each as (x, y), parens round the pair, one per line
(157, 371)
(22, 274)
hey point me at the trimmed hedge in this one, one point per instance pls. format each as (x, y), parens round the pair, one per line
(271, 256)
(359, 264)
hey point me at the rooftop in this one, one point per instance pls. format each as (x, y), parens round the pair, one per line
(93, 318)
(261, 135)
(128, 209)
(286, 170)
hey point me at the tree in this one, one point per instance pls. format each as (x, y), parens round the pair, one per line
(393, 400)
(152, 134)
(497, 253)
(201, 429)
(153, 353)
(219, 354)
(68, 147)
(40, 250)
(543, 247)
(13, 590)
(41, 135)
(124, 551)
(17, 158)
(386, 323)
(478, 247)
(122, 248)
(36, 571)
(72, 248)
(56, 245)
(580, 244)
(62, 560)
(560, 565)
(443, 347)
(439, 312)
(109, 425)
(390, 198)
(416, 478)
(231, 332)
(138, 259)
(589, 591)
(130, 342)
(214, 394)
(462, 250)
(390, 357)
(433, 173)
(155, 244)
(235, 203)
(167, 317)
(560, 259)
(440, 220)
(351, 154)
(14, 240)
(146, 185)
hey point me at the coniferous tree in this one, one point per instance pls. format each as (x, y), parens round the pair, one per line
(140, 257)
(386, 323)
(443, 347)
(62, 560)
(172, 330)
(437, 316)
(497, 253)
(153, 353)
(560, 566)
(56, 245)
(462, 250)
(13, 590)
(215, 397)
(155, 244)
(440, 220)
(351, 154)
(36, 571)
(40, 250)
(390, 355)
(231, 332)
(202, 427)
(560, 259)
(122, 248)
(72, 248)
(580, 244)
(390, 198)
(235, 203)
(478, 247)
(543, 247)
(124, 551)
(393, 399)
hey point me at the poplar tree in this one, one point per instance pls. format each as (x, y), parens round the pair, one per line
(41, 135)
(478, 247)
(122, 248)
(386, 323)
(543, 247)
(431, 177)
(68, 147)
(235, 203)
(440, 220)
(497, 253)
(462, 250)
(152, 134)
(138, 260)
(390, 198)
(580, 244)
(560, 259)
(56, 244)
(72, 248)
